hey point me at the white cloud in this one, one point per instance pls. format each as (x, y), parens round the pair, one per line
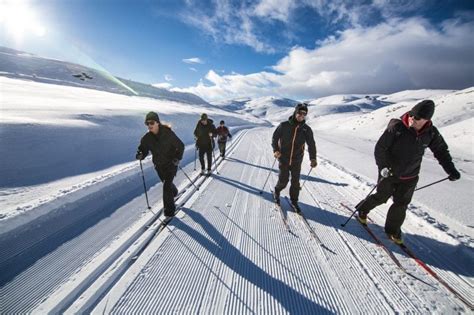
(168, 77)
(392, 56)
(194, 60)
(164, 85)
(193, 69)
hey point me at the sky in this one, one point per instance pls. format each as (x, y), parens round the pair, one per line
(222, 50)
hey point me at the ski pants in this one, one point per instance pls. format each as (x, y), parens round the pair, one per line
(167, 173)
(284, 176)
(401, 191)
(208, 152)
(222, 146)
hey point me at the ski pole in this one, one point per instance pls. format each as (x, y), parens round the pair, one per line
(197, 188)
(439, 181)
(269, 173)
(363, 201)
(301, 187)
(144, 185)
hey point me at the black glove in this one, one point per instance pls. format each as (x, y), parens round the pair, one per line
(454, 175)
(175, 162)
(139, 155)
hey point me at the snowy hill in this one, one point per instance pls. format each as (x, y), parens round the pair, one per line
(268, 108)
(21, 65)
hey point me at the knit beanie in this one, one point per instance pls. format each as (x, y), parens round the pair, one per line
(301, 106)
(203, 116)
(424, 109)
(152, 116)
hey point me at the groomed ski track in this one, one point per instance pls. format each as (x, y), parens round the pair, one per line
(227, 252)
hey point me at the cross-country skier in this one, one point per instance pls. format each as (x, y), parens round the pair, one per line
(204, 134)
(167, 150)
(222, 135)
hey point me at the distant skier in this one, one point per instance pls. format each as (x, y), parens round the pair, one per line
(167, 150)
(204, 134)
(222, 135)
(288, 144)
(398, 154)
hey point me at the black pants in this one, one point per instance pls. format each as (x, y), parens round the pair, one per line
(208, 152)
(401, 191)
(167, 173)
(284, 176)
(222, 148)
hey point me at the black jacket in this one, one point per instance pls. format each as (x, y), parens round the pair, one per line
(165, 146)
(290, 137)
(201, 132)
(401, 148)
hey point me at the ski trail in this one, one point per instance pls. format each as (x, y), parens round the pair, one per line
(246, 264)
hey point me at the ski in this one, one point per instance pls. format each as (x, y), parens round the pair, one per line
(381, 244)
(435, 275)
(310, 229)
(282, 214)
(378, 241)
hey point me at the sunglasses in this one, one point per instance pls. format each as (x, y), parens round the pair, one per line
(302, 113)
(415, 117)
(150, 122)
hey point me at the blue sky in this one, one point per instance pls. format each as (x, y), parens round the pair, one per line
(226, 49)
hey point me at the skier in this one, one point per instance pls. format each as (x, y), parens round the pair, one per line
(398, 154)
(204, 133)
(222, 135)
(167, 150)
(288, 144)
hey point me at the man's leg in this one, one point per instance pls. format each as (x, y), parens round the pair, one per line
(222, 148)
(166, 174)
(295, 170)
(384, 191)
(209, 159)
(283, 178)
(201, 158)
(402, 195)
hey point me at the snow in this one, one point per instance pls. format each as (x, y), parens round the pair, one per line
(76, 235)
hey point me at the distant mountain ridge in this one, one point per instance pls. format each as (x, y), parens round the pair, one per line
(22, 65)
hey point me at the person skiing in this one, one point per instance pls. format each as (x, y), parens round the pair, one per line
(222, 135)
(204, 133)
(288, 144)
(167, 150)
(398, 155)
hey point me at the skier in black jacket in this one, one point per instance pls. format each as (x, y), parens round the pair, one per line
(398, 154)
(167, 150)
(288, 144)
(204, 134)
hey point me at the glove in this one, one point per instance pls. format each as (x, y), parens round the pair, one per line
(210, 134)
(454, 175)
(385, 172)
(139, 155)
(175, 162)
(313, 163)
(277, 154)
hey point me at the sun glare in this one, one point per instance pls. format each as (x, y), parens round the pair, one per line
(18, 19)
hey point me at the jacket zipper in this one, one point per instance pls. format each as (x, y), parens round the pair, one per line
(293, 144)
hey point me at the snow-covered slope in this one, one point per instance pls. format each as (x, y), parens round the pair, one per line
(18, 64)
(268, 108)
(54, 136)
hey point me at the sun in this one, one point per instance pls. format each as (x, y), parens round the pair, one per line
(19, 19)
